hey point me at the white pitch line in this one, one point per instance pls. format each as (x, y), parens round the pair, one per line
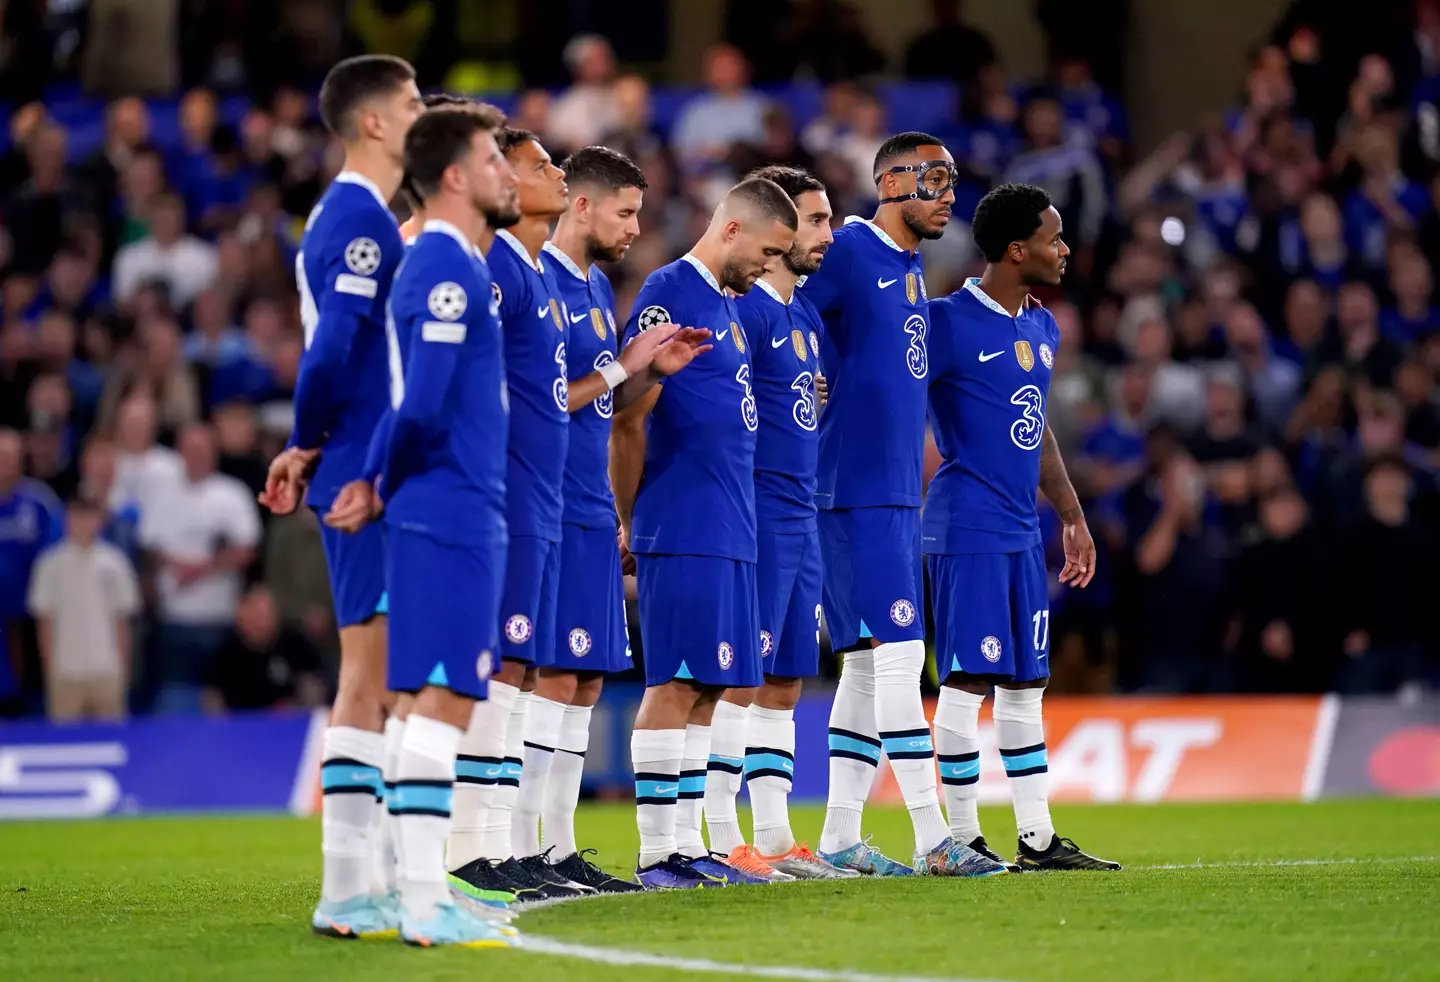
(1293, 862)
(620, 956)
(617, 956)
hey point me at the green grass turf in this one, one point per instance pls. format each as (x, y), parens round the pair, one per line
(230, 899)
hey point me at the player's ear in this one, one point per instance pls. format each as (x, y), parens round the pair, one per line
(1016, 252)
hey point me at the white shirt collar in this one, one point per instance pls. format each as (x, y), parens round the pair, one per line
(774, 292)
(520, 250)
(445, 228)
(972, 286)
(704, 271)
(360, 180)
(879, 232)
(559, 255)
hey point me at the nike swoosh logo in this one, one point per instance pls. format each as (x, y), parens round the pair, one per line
(666, 788)
(577, 318)
(543, 312)
(984, 357)
(721, 335)
(778, 342)
(882, 284)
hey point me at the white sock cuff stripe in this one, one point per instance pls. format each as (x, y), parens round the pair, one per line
(958, 712)
(728, 712)
(431, 739)
(543, 722)
(501, 697)
(648, 746)
(1018, 705)
(352, 743)
(697, 742)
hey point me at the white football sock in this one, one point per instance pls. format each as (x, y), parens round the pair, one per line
(656, 756)
(1020, 733)
(387, 861)
(557, 823)
(905, 737)
(542, 735)
(350, 778)
(495, 837)
(478, 772)
(854, 751)
(769, 774)
(424, 782)
(689, 808)
(723, 776)
(957, 745)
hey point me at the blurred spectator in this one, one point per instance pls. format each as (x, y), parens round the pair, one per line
(1072, 175)
(1183, 561)
(631, 132)
(132, 47)
(1282, 590)
(202, 537)
(587, 110)
(1226, 433)
(30, 520)
(156, 368)
(127, 130)
(1386, 200)
(1386, 566)
(1414, 314)
(1176, 391)
(1273, 383)
(949, 48)
(262, 664)
(83, 595)
(215, 339)
(184, 263)
(144, 470)
(1415, 386)
(296, 575)
(1359, 343)
(861, 140)
(121, 524)
(1307, 314)
(36, 215)
(237, 439)
(728, 113)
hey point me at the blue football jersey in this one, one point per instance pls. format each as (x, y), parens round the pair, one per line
(871, 295)
(991, 380)
(589, 303)
(346, 262)
(444, 465)
(785, 358)
(535, 326)
(697, 494)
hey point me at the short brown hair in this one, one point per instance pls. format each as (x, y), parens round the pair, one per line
(354, 81)
(437, 140)
(768, 198)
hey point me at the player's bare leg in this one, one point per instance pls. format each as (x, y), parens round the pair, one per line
(353, 758)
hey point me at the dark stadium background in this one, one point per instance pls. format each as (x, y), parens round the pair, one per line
(1246, 395)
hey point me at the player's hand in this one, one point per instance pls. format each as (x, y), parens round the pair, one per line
(686, 344)
(285, 481)
(355, 506)
(627, 558)
(636, 356)
(1079, 555)
(822, 389)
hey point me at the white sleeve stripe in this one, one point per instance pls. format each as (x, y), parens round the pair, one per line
(443, 332)
(358, 286)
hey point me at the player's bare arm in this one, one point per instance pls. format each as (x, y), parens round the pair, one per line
(285, 481)
(1056, 487)
(627, 457)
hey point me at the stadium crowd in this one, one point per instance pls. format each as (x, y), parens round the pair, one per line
(1246, 392)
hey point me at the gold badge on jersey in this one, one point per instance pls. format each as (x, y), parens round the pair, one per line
(797, 339)
(912, 287)
(738, 336)
(597, 321)
(1024, 355)
(555, 314)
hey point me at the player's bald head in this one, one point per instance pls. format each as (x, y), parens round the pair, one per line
(757, 199)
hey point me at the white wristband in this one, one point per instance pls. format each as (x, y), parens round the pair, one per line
(613, 373)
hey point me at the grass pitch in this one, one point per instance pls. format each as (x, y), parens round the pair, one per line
(1330, 891)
